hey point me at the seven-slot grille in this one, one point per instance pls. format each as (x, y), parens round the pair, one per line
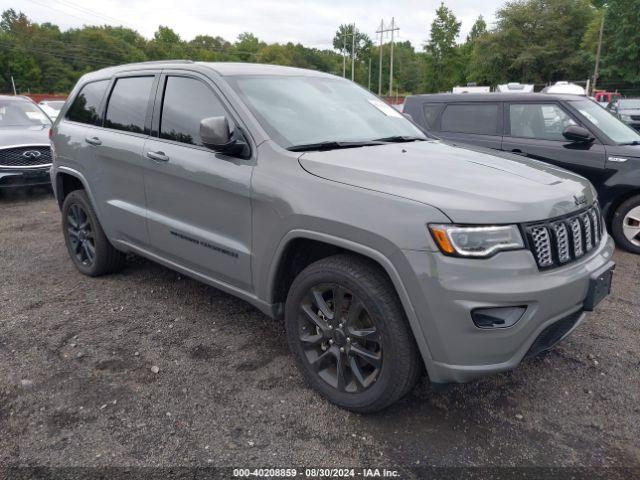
(17, 157)
(564, 240)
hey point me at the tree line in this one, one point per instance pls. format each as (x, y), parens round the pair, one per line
(532, 41)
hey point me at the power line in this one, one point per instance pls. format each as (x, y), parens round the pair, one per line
(80, 8)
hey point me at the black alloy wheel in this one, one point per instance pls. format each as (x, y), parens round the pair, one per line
(339, 338)
(88, 246)
(81, 235)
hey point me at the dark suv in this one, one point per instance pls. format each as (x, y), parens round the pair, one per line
(566, 130)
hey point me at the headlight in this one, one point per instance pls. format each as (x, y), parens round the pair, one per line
(625, 118)
(479, 242)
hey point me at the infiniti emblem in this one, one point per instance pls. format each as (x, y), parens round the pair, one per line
(31, 154)
(580, 200)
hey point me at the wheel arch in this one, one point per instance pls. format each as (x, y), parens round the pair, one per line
(614, 204)
(284, 268)
(66, 180)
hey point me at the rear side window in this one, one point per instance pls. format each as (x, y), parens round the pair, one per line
(127, 108)
(431, 112)
(186, 102)
(480, 118)
(86, 106)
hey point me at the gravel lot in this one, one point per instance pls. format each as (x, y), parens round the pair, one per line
(77, 386)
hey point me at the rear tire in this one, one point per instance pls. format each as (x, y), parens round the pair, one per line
(88, 247)
(625, 225)
(364, 358)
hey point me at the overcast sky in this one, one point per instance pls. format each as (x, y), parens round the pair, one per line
(310, 22)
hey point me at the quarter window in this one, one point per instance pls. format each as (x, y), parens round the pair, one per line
(540, 121)
(186, 102)
(431, 112)
(127, 108)
(86, 106)
(481, 118)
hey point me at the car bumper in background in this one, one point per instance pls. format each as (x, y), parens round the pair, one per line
(447, 290)
(24, 178)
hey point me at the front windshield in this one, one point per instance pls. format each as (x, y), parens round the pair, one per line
(301, 110)
(21, 113)
(629, 104)
(606, 122)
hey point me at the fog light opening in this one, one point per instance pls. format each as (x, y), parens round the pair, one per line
(497, 317)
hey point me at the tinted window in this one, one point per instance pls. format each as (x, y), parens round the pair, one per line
(540, 121)
(431, 112)
(481, 118)
(127, 107)
(85, 107)
(186, 102)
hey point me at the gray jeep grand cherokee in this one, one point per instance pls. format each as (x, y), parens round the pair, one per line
(305, 195)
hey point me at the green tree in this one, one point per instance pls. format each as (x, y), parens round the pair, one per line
(534, 41)
(621, 44)
(443, 55)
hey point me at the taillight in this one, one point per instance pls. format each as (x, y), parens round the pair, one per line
(50, 133)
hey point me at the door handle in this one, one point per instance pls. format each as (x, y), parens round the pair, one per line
(158, 156)
(93, 141)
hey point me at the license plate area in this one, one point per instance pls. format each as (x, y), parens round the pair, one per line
(599, 287)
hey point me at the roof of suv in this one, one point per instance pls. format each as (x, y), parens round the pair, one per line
(495, 96)
(222, 68)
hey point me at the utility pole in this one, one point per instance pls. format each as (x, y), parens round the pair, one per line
(392, 30)
(381, 32)
(353, 51)
(344, 56)
(595, 73)
(13, 84)
(344, 51)
(369, 84)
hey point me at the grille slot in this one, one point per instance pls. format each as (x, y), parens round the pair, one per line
(561, 241)
(20, 157)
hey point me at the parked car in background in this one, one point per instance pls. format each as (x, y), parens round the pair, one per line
(312, 199)
(52, 107)
(25, 152)
(565, 130)
(604, 97)
(627, 110)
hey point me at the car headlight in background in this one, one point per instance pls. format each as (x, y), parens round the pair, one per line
(625, 118)
(478, 242)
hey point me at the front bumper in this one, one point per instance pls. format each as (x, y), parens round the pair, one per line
(447, 289)
(24, 178)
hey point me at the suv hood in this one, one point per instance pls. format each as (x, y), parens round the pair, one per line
(469, 184)
(35, 135)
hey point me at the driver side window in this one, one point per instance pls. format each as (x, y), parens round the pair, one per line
(539, 121)
(186, 101)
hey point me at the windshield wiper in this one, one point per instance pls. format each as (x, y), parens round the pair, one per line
(634, 142)
(332, 145)
(400, 139)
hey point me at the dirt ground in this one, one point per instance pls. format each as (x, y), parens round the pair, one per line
(77, 386)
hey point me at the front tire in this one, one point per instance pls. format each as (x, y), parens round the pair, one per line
(88, 247)
(625, 225)
(349, 335)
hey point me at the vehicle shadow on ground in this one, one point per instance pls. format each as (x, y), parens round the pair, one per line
(23, 195)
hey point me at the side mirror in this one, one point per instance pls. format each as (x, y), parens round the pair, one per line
(216, 134)
(578, 134)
